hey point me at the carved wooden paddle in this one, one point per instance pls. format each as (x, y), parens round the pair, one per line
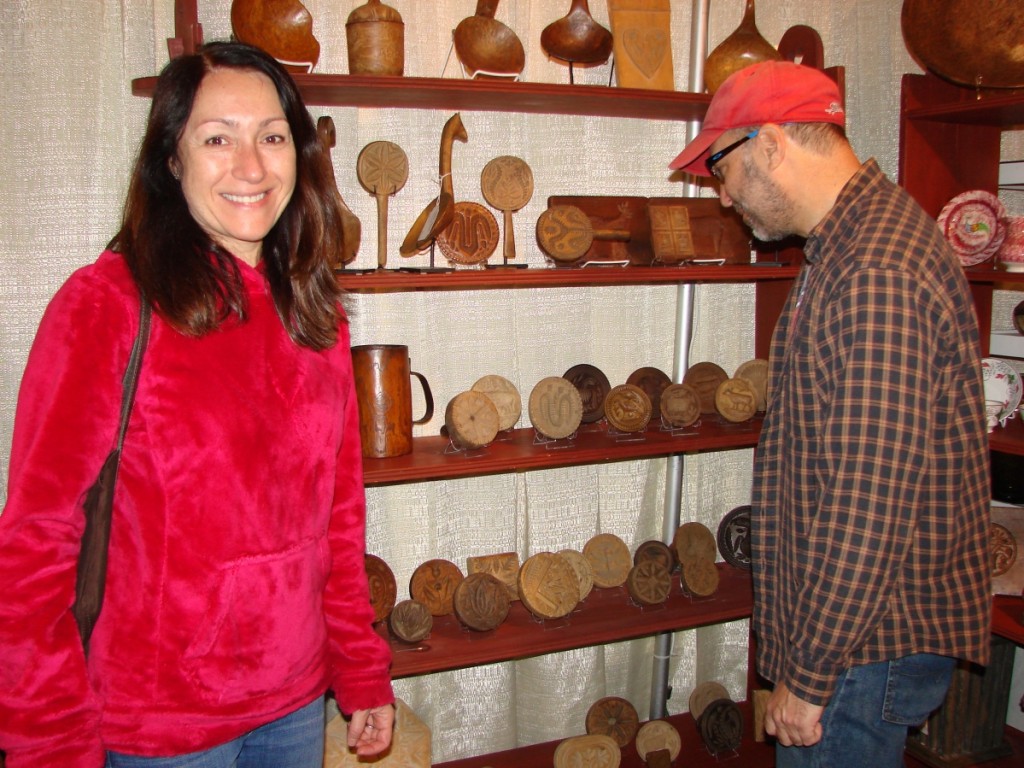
(382, 169)
(507, 184)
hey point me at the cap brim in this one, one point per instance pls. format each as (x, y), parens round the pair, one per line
(697, 151)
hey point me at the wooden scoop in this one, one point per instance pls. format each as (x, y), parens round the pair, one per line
(351, 227)
(507, 184)
(565, 233)
(382, 168)
(438, 213)
(576, 37)
(486, 46)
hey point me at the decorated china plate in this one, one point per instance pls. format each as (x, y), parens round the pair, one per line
(1002, 386)
(973, 224)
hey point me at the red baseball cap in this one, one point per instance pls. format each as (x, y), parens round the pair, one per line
(768, 92)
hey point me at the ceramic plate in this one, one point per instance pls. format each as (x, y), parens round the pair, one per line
(1002, 385)
(972, 222)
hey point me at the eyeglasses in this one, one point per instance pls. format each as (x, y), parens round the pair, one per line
(714, 159)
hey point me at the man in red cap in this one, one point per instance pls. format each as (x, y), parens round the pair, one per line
(871, 482)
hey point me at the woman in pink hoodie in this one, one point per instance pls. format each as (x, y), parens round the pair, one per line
(236, 594)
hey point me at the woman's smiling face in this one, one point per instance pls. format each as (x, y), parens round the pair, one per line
(236, 160)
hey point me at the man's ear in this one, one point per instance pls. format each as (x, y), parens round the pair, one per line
(773, 143)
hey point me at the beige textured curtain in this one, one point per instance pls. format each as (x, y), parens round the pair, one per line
(69, 127)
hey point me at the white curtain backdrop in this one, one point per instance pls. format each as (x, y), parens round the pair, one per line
(69, 127)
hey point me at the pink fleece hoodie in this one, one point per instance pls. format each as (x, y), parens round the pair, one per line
(236, 589)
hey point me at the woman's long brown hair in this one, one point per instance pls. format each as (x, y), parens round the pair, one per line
(194, 283)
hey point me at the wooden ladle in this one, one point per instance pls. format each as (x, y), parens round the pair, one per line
(382, 169)
(507, 184)
(565, 233)
(576, 37)
(438, 213)
(486, 46)
(351, 227)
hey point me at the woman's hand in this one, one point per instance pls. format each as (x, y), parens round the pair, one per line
(370, 730)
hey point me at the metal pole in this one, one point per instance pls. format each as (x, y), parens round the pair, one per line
(681, 361)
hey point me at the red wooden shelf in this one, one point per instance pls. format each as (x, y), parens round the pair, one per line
(432, 458)
(488, 96)
(388, 280)
(1008, 617)
(1008, 439)
(606, 616)
(751, 754)
(1001, 108)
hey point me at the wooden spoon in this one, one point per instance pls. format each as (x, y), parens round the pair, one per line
(438, 213)
(486, 46)
(382, 168)
(351, 227)
(507, 184)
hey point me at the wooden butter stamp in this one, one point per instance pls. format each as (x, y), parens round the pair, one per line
(556, 408)
(593, 387)
(700, 577)
(755, 373)
(609, 560)
(471, 419)
(433, 583)
(383, 588)
(481, 602)
(410, 621)
(649, 583)
(584, 573)
(653, 382)
(615, 717)
(705, 378)
(658, 551)
(628, 408)
(680, 405)
(735, 400)
(504, 395)
(592, 751)
(658, 735)
(548, 586)
(692, 540)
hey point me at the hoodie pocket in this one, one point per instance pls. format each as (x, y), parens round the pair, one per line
(263, 628)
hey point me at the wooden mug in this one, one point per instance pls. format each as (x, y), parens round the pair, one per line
(383, 379)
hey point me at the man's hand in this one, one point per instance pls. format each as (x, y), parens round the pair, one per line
(792, 721)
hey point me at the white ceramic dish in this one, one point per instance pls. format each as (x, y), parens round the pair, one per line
(1003, 390)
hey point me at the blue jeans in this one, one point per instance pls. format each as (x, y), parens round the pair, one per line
(866, 721)
(292, 741)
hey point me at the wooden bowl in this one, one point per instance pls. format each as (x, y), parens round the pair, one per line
(486, 46)
(283, 28)
(956, 40)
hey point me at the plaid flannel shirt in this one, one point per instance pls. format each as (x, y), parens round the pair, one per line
(871, 481)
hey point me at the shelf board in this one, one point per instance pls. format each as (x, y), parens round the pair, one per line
(1008, 617)
(606, 616)
(751, 754)
(1004, 109)
(390, 280)
(487, 96)
(1008, 439)
(518, 451)
(990, 273)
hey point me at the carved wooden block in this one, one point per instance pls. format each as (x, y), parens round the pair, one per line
(504, 567)
(736, 400)
(628, 408)
(705, 378)
(581, 566)
(592, 751)
(556, 409)
(410, 621)
(693, 540)
(656, 736)
(383, 588)
(649, 583)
